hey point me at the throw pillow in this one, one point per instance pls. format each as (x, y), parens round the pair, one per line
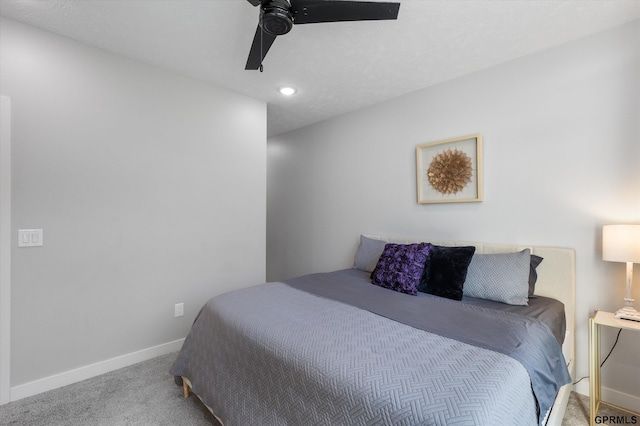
(446, 271)
(401, 266)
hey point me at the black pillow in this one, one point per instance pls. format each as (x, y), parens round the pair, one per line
(446, 271)
(533, 275)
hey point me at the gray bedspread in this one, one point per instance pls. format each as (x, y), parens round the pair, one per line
(275, 355)
(525, 339)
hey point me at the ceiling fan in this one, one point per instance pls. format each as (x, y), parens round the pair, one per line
(277, 17)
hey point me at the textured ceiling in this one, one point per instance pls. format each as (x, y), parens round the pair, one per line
(336, 67)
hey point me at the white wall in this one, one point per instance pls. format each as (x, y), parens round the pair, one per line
(5, 249)
(150, 188)
(561, 133)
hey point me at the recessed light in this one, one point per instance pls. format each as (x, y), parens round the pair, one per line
(287, 91)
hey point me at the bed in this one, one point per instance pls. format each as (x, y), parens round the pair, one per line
(332, 348)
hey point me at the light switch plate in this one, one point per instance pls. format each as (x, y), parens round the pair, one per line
(30, 237)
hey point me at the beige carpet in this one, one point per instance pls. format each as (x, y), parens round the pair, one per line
(577, 413)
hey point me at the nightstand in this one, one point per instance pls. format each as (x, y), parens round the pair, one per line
(607, 319)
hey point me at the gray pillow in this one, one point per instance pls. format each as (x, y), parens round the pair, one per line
(502, 277)
(368, 254)
(533, 274)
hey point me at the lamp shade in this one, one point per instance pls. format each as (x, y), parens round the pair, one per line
(621, 243)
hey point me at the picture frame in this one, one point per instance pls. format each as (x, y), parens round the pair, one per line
(450, 171)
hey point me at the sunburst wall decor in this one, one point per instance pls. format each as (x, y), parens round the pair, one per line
(450, 171)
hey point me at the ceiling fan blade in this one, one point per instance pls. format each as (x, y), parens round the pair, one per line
(262, 41)
(254, 2)
(314, 11)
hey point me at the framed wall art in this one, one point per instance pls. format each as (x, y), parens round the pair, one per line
(450, 171)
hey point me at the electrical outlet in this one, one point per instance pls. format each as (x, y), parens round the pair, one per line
(179, 310)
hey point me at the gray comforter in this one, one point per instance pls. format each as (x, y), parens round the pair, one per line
(276, 355)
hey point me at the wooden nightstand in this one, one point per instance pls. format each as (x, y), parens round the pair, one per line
(607, 319)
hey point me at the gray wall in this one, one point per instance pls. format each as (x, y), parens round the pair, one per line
(561, 133)
(150, 189)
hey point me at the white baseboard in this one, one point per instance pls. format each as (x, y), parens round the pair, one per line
(612, 396)
(92, 370)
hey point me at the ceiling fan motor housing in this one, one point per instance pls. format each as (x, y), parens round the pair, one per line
(276, 17)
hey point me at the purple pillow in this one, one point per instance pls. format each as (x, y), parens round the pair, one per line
(400, 267)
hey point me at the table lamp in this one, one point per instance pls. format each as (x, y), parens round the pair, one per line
(621, 243)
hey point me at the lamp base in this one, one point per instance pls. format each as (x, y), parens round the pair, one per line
(628, 313)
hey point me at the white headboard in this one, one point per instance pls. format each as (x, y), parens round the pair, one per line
(556, 275)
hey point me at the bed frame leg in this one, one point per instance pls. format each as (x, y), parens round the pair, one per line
(186, 389)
